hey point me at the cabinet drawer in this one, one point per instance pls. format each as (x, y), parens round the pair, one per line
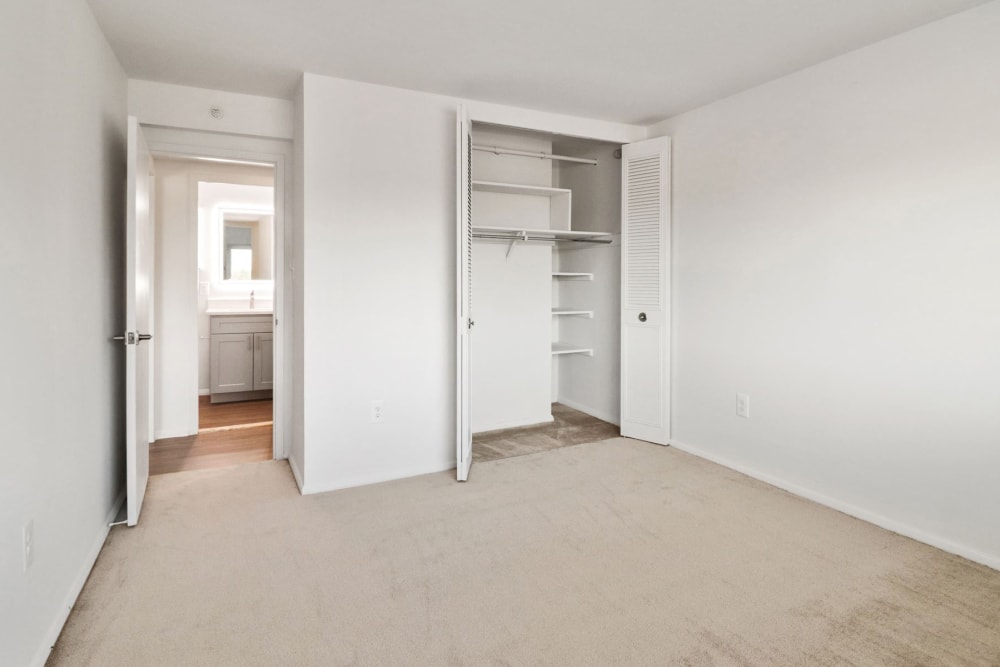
(235, 324)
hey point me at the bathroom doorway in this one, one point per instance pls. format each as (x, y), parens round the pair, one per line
(216, 250)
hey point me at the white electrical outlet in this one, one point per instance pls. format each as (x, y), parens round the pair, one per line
(376, 412)
(743, 406)
(28, 542)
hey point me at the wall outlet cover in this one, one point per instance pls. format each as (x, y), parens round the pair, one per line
(743, 406)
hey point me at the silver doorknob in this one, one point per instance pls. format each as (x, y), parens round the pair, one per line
(142, 337)
(642, 317)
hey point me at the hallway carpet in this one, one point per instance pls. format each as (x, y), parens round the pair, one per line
(608, 553)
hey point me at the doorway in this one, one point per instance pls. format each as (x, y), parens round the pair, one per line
(214, 283)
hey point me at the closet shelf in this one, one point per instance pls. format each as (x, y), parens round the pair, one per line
(515, 189)
(566, 348)
(518, 234)
(582, 276)
(572, 311)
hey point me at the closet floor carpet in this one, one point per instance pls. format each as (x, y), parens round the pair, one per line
(608, 553)
(569, 427)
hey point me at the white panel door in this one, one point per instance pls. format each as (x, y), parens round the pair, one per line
(463, 309)
(645, 323)
(138, 318)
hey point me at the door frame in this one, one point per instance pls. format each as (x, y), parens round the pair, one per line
(195, 144)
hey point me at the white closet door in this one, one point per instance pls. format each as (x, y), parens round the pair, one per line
(463, 148)
(645, 324)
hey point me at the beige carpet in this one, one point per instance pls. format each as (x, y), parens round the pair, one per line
(615, 552)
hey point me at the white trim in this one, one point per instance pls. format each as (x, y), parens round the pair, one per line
(297, 474)
(377, 478)
(172, 433)
(514, 423)
(586, 409)
(879, 520)
(172, 142)
(544, 121)
(77, 586)
(205, 392)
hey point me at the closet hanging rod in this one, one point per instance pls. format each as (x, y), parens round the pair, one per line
(502, 237)
(543, 156)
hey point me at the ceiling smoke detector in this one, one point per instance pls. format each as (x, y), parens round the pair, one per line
(216, 112)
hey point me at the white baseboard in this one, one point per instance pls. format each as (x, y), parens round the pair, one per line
(172, 433)
(77, 586)
(879, 520)
(365, 480)
(204, 392)
(296, 473)
(515, 423)
(586, 409)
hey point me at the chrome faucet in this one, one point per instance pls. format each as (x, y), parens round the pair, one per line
(251, 299)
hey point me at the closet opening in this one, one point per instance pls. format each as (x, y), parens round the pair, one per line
(545, 291)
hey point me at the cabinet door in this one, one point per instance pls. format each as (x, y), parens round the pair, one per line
(231, 363)
(263, 361)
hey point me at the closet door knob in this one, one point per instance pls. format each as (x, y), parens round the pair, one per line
(642, 317)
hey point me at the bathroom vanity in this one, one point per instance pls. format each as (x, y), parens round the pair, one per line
(241, 356)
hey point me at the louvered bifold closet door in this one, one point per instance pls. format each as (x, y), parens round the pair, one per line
(645, 325)
(463, 235)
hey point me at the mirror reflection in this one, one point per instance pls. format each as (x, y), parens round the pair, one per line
(247, 240)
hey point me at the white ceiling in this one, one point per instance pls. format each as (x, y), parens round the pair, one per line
(634, 61)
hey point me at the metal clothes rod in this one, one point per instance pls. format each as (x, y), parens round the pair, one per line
(543, 156)
(502, 237)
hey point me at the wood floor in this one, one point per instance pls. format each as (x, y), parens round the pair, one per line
(231, 414)
(569, 427)
(224, 439)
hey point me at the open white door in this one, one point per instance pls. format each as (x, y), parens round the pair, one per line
(645, 324)
(138, 282)
(463, 309)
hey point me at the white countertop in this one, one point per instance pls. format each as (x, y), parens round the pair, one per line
(239, 311)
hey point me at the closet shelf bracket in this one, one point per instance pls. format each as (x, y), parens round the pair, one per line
(523, 236)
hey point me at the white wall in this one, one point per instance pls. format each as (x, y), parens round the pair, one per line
(181, 357)
(511, 350)
(169, 105)
(61, 262)
(836, 246)
(378, 272)
(512, 303)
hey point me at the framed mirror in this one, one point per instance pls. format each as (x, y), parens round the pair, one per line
(247, 246)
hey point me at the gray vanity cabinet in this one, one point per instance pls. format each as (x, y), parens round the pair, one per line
(241, 357)
(263, 361)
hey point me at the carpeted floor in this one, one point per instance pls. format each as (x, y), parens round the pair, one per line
(615, 552)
